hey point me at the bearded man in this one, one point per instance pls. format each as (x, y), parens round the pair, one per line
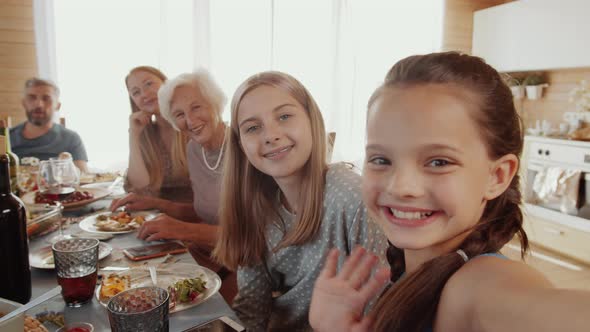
(39, 136)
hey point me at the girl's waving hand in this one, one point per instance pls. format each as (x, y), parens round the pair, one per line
(345, 294)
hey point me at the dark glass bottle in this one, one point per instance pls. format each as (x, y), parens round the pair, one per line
(15, 279)
(13, 158)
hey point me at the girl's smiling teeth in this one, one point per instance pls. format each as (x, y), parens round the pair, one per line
(278, 152)
(409, 215)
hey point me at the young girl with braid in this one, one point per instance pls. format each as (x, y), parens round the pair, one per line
(441, 180)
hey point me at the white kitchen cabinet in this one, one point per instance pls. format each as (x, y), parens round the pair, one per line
(533, 35)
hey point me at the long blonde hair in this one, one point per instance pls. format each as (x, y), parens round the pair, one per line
(248, 196)
(151, 134)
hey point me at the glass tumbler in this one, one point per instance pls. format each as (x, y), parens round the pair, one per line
(76, 265)
(139, 309)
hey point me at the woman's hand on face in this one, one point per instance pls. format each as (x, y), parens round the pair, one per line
(339, 299)
(163, 227)
(134, 202)
(138, 121)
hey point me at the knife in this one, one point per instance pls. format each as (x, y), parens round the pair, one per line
(114, 268)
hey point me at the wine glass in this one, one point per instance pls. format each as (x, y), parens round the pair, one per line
(57, 179)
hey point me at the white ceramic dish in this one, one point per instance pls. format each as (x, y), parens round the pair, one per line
(88, 223)
(43, 258)
(166, 278)
(14, 324)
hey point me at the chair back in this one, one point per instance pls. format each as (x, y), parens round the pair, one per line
(331, 142)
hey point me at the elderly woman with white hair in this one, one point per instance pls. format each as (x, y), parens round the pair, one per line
(192, 103)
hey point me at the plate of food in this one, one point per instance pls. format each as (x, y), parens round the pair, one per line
(43, 258)
(76, 199)
(116, 222)
(86, 178)
(188, 284)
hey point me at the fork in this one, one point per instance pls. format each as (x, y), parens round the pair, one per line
(153, 274)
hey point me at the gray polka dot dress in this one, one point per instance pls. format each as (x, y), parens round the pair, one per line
(277, 296)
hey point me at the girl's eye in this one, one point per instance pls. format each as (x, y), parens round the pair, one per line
(251, 129)
(135, 93)
(148, 83)
(379, 161)
(439, 163)
(179, 115)
(284, 116)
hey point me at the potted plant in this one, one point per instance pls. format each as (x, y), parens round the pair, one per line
(516, 87)
(534, 86)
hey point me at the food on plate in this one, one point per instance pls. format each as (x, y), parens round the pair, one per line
(76, 196)
(186, 290)
(117, 222)
(112, 285)
(33, 325)
(29, 161)
(27, 174)
(53, 317)
(98, 177)
(49, 260)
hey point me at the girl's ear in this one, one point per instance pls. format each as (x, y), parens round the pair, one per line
(501, 174)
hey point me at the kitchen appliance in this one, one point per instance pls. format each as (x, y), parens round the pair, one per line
(556, 190)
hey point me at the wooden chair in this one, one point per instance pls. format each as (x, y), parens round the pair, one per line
(6, 122)
(331, 141)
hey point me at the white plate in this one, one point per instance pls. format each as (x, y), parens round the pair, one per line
(43, 258)
(167, 278)
(88, 223)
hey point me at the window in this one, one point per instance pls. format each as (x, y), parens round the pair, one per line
(340, 50)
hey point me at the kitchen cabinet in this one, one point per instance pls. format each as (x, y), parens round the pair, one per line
(531, 35)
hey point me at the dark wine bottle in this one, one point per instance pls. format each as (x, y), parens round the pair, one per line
(13, 158)
(15, 280)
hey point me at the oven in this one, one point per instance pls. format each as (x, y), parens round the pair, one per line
(556, 194)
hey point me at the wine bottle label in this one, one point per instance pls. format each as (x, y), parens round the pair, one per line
(2, 144)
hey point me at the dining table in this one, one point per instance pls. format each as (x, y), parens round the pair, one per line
(93, 311)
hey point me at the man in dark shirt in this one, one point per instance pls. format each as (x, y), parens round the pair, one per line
(39, 136)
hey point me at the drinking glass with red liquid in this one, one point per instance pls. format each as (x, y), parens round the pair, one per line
(76, 265)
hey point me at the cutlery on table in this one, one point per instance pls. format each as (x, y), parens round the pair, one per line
(153, 275)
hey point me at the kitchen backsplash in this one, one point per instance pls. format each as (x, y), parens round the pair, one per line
(555, 100)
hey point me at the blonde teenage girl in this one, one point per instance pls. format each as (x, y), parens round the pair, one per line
(441, 179)
(282, 207)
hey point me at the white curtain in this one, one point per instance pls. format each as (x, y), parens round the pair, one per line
(339, 49)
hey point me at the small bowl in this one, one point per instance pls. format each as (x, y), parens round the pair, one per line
(16, 323)
(77, 327)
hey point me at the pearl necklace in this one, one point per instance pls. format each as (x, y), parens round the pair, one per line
(218, 158)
